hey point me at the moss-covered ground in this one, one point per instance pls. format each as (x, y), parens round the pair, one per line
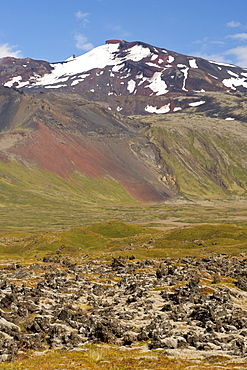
(110, 239)
(101, 357)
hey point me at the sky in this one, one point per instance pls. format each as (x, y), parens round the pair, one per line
(53, 30)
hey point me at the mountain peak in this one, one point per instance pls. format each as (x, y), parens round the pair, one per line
(114, 41)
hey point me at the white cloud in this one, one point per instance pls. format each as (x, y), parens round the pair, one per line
(7, 50)
(82, 17)
(214, 57)
(240, 53)
(238, 56)
(239, 36)
(233, 24)
(82, 42)
(230, 49)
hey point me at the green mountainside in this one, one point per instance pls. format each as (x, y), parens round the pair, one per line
(202, 151)
(68, 162)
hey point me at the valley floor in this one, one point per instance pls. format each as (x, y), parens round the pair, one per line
(174, 213)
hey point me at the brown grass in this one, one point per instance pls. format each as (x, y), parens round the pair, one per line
(102, 357)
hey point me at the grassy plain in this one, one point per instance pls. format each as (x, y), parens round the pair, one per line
(113, 238)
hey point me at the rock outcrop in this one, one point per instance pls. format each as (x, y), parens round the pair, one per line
(187, 303)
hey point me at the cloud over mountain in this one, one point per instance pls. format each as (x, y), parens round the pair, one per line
(82, 42)
(7, 50)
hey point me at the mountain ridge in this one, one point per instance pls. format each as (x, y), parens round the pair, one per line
(119, 71)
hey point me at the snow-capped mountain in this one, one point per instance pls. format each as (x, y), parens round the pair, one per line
(69, 129)
(119, 70)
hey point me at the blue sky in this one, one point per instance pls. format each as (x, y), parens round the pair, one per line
(54, 30)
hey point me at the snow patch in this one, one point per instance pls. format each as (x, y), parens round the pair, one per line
(221, 64)
(157, 84)
(139, 75)
(232, 73)
(117, 67)
(192, 63)
(76, 82)
(197, 103)
(54, 86)
(177, 109)
(153, 57)
(170, 59)
(152, 64)
(138, 52)
(142, 81)
(16, 79)
(163, 109)
(82, 78)
(233, 82)
(213, 76)
(119, 109)
(185, 72)
(126, 76)
(229, 119)
(131, 86)
(11, 82)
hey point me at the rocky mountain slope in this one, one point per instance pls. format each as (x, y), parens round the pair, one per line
(132, 77)
(202, 150)
(69, 135)
(184, 134)
(199, 152)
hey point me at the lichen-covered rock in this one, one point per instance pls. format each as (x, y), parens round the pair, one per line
(165, 303)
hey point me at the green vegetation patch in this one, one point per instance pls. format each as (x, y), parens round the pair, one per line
(34, 199)
(103, 237)
(116, 229)
(209, 232)
(205, 156)
(106, 240)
